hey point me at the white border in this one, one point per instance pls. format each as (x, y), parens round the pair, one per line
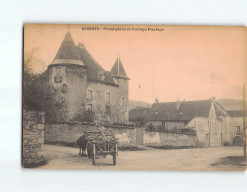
(12, 16)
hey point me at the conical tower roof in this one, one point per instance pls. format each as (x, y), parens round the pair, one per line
(118, 69)
(68, 52)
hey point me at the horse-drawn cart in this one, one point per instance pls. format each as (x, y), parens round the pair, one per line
(101, 143)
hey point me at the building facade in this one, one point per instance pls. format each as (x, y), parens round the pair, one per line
(86, 90)
(236, 133)
(213, 125)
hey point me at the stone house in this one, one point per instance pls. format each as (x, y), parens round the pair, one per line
(207, 118)
(138, 116)
(88, 91)
(236, 131)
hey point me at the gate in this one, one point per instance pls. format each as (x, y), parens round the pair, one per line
(139, 136)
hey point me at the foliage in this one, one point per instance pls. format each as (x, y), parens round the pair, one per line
(113, 115)
(38, 94)
(226, 143)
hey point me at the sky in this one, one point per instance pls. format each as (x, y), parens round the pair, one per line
(171, 63)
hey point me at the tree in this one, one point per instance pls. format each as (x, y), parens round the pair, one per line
(39, 95)
(113, 115)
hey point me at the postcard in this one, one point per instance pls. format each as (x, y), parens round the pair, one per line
(134, 97)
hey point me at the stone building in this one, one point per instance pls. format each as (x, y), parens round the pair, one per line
(213, 125)
(203, 116)
(88, 92)
(236, 131)
(138, 116)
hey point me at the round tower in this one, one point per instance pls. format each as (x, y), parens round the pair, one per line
(68, 75)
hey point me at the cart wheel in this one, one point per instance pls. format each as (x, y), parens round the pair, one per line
(114, 156)
(93, 155)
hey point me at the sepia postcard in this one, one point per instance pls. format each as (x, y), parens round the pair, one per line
(134, 97)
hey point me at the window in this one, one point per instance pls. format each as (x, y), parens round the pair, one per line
(89, 107)
(108, 110)
(102, 77)
(238, 128)
(108, 96)
(82, 75)
(163, 124)
(58, 79)
(64, 88)
(58, 75)
(90, 94)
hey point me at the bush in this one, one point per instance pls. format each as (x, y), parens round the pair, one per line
(226, 143)
(39, 95)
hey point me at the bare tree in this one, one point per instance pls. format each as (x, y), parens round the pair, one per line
(114, 114)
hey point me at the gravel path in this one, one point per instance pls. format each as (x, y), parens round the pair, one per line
(199, 159)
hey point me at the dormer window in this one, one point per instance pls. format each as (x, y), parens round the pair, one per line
(102, 77)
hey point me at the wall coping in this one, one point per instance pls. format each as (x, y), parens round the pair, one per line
(118, 126)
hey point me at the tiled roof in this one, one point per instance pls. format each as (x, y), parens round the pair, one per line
(186, 110)
(118, 69)
(237, 113)
(139, 114)
(94, 70)
(220, 111)
(69, 53)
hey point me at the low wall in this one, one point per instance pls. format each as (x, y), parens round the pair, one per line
(127, 137)
(159, 139)
(67, 134)
(33, 138)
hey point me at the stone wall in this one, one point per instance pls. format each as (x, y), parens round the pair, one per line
(67, 134)
(200, 125)
(33, 138)
(127, 137)
(159, 139)
(167, 125)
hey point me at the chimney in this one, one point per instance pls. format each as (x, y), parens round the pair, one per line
(156, 100)
(80, 44)
(178, 104)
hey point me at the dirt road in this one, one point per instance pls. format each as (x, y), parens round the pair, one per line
(150, 159)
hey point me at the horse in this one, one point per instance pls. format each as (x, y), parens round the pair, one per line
(82, 144)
